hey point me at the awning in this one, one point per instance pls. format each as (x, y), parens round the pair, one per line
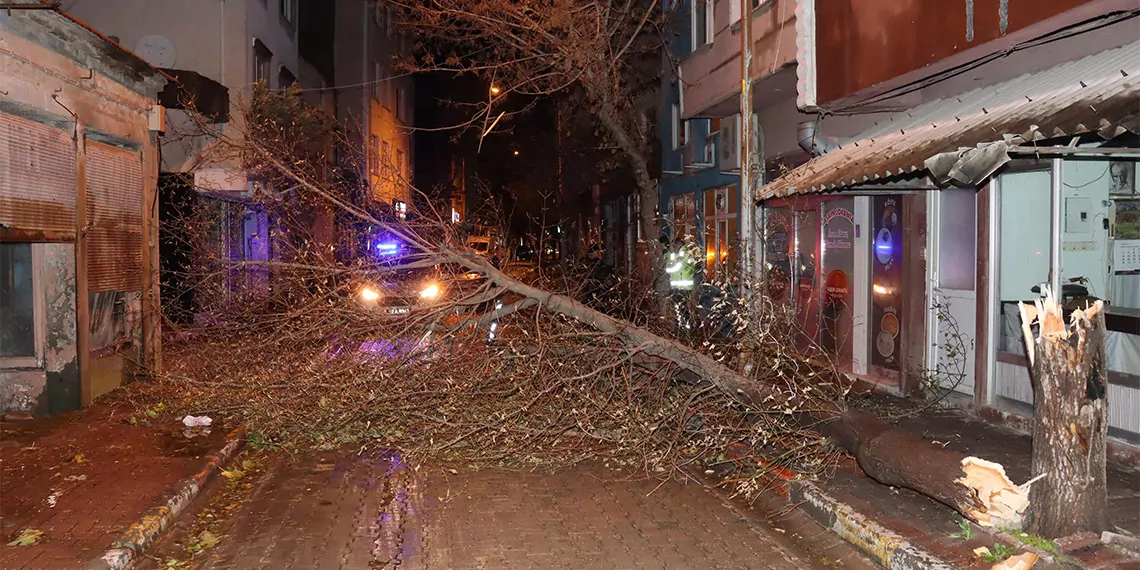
(970, 132)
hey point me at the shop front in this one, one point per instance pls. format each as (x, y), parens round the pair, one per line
(963, 208)
(1069, 223)
(837, 263)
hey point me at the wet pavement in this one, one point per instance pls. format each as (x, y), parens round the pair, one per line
(76, 481)
(371, 510)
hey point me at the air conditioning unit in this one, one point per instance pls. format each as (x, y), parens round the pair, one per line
(729, 143)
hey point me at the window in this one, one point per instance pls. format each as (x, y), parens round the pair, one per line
(400, 162)
(380, 16)
(262, 58)
(289, 11)
(17, 303)
(379, 83)
(401, 208)
(285, 78)
(386, 157)
(702, 21)
(680, 128)
(388, 17)
(734, 11)
(400, 112)
(712, 133)
(374, 154)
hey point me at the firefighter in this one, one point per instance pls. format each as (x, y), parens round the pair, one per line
(680, 266)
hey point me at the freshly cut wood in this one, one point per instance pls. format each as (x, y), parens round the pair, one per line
(1070, 418)
(1002, 502)
(978, 489)
(1023, 561)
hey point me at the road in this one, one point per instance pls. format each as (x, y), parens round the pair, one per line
(373, 511)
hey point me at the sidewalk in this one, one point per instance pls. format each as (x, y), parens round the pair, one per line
(82, 478)
(879, 518)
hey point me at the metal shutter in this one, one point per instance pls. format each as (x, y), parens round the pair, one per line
(114, 217)
(37, 176)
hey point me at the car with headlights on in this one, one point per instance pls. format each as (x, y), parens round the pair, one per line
(402, 279)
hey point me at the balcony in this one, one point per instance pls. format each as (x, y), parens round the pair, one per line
(711, 73)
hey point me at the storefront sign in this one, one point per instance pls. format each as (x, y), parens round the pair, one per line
(886, 278)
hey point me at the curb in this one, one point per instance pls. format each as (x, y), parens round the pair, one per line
(886, 547)
(149, 527)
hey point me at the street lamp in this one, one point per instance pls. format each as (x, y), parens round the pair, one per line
(495, 90)
(516, 153)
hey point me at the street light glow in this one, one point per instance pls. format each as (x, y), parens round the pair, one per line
(516, 153)
(495, 90)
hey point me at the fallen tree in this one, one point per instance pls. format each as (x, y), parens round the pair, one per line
(303, 362)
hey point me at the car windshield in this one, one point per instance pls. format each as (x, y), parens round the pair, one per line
(481, 246)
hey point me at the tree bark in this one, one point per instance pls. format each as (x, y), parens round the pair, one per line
(976, 488)
(1070, 418)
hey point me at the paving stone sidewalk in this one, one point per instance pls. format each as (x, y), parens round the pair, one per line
(82, 478)
(372, 511)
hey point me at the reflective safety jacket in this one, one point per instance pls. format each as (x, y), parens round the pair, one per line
(680, 267)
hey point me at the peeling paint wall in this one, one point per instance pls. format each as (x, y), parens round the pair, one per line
(53, 386)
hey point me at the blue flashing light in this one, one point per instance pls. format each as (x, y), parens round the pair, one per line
(884, 247)
(387, 247)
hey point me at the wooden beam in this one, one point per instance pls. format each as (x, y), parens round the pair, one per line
(82, 302)
(151, 301)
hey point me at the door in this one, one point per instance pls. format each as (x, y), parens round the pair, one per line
(953, 299)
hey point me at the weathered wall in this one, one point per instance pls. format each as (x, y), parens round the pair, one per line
(52, 387)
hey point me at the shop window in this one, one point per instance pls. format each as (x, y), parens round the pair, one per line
(806, 277)
(1024, 257)
(17, 304)
(778, 227)
(957, 239)
(838, 269)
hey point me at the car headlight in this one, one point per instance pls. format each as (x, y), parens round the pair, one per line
(369, 294)
(472, 275)
(429, 292)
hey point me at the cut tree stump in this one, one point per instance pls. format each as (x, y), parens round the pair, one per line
(1070, 418)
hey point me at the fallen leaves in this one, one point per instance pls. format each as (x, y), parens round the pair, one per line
(27, 537)
(207, 540)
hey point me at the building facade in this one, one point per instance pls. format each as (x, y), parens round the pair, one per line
(79, 311)
(918, 185)
(375, 98)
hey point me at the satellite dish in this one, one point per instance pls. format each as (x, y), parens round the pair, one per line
(156, 50)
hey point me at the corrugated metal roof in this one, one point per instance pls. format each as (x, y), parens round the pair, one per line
(1099, 93)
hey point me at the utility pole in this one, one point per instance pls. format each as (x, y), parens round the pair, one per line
(747, 201)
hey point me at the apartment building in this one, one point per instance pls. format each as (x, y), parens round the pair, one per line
(375, 98)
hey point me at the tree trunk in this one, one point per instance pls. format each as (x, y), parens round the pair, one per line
(976, 488)
(1070, 418)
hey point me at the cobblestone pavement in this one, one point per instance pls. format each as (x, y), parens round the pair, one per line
(372, 511)
(81, 478)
